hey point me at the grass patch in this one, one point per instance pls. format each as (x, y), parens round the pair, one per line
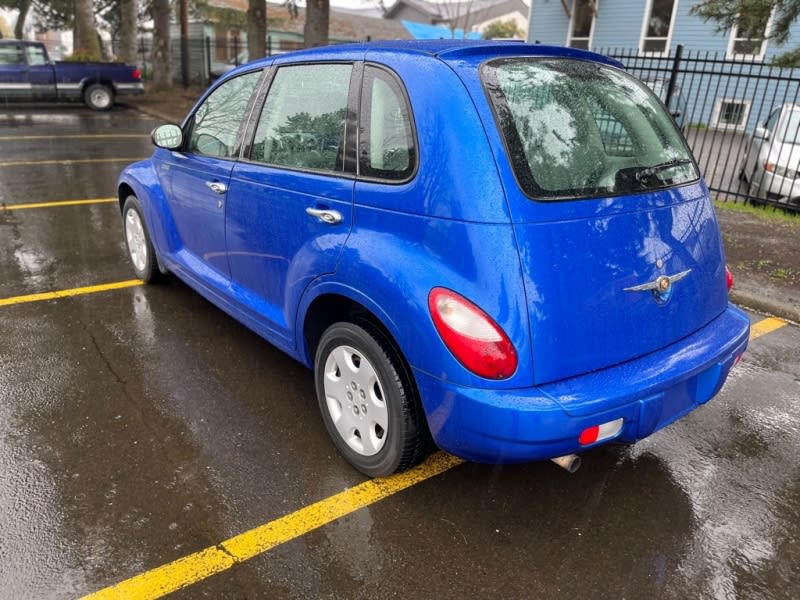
(763, 212)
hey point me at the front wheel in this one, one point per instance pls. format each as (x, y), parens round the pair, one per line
(367, 401)
(98, 97)
(137, 241)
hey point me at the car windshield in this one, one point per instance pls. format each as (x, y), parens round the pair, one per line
(790, 132)
(579, 129)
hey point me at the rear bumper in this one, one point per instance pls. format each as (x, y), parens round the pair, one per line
(771, 186)
(543, 422)
(129, 89)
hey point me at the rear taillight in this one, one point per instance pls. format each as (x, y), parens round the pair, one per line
(728, 278)
(137, 74)
(472, 336)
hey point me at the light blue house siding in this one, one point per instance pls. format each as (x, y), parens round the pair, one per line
(618, 27)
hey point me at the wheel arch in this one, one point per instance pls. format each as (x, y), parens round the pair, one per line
(332, 304)
(109, 83)
(138, 180)
(123, 191)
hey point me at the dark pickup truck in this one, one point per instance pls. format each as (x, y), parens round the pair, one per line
(27, 74)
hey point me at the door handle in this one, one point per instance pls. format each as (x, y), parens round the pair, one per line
(217, 187)
(331, 217)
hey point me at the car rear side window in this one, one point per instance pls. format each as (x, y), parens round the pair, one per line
(215, 124)
(11, 55)
(580, 129)
(387, 148)
(302, 124)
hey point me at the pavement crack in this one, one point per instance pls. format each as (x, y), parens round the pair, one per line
(104, 358)
(221, 547)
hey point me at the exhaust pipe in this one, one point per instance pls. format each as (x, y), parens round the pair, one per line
(570, 462)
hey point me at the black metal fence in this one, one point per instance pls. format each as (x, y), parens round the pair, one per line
(741, 119)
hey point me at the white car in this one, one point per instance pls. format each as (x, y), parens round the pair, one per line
(772, 157)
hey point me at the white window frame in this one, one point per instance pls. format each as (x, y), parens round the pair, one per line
(730, 126)
(645, 21)
(732, 39)
(570, 38)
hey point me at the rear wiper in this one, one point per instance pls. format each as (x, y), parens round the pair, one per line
(642, 174)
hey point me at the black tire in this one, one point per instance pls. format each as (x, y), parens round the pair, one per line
(137, 241)
(98, 96)
(405, 440)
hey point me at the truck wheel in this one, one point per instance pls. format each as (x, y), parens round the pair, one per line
(98, 96)
(368, 403)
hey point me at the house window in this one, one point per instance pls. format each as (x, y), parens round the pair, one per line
(581, 24)
(659, 19)
(730, 113)
(749, 42)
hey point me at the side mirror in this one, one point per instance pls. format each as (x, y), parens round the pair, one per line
(168, 136)
(761, 133)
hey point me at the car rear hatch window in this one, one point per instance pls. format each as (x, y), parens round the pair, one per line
(578, 129)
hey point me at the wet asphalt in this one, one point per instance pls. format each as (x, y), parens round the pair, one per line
(142, 424)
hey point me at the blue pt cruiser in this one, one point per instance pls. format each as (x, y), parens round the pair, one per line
(503, 249)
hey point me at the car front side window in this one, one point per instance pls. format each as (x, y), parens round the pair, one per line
(215, 124)
(302, 125)
(36, 56)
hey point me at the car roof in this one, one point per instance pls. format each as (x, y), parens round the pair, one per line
(449, 50)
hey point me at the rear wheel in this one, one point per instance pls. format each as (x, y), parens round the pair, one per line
(98, 96)
(137, 240)
(367, 401)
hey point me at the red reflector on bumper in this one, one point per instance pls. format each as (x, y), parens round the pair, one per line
(598, 433)
(589, 436)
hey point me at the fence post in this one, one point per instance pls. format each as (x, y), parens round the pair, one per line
(673, 76)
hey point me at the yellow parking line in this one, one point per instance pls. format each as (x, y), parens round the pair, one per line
(26, 163)
(765, 326)
(76, 136)
(92, 289)
(57, 203)
(195, 567)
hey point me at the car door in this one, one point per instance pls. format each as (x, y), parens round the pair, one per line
(196, 178)
(290, 202)
(41, 74)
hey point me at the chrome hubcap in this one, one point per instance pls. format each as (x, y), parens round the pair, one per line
(355, 399)
(137, 245)
(100, 98)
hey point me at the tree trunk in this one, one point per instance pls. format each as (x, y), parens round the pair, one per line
(24, 9)
(128, 30)
(316, 29)
(162, 68)
(85, 39)
(186, 57)
(256, 29)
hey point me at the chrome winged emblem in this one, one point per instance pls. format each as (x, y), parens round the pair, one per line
(660, 286)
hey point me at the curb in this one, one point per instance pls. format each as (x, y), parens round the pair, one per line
(155, 113)
(771, 307)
